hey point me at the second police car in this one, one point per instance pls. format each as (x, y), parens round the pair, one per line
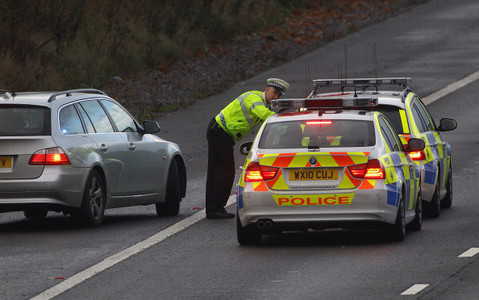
(335, 163)
(411, 119)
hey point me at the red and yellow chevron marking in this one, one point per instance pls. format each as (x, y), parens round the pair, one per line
(324, 159)
(367, 185)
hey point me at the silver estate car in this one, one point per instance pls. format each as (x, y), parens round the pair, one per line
(80, 152)
(325, 167)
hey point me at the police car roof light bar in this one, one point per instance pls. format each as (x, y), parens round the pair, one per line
(359, 102)
(359, 83)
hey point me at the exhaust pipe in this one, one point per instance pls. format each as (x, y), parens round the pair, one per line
(264, 224)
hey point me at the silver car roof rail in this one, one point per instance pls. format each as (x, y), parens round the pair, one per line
(359, 83)
(68, 93)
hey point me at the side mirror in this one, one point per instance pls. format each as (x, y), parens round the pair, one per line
(151, 127)
(447, 124)
(414, 145)
(245, 148)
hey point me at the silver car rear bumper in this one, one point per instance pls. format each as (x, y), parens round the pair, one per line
(58, 186)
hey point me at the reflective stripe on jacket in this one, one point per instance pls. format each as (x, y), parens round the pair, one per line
(243, 114)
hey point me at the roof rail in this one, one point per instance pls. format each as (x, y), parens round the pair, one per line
(68, 93)
(358, 83)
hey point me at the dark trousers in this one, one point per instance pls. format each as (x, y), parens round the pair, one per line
(221, 167)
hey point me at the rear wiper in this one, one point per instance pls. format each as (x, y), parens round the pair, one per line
(313, 147)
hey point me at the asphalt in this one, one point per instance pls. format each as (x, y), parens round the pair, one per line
(436, 43)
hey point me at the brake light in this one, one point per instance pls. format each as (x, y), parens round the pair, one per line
(50, 156)
(255, 172)
(370, 170)
(320, 123)
(417, 155)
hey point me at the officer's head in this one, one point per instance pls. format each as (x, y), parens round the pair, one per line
(275, 88)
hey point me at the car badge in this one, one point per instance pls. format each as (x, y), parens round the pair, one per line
(313, 161)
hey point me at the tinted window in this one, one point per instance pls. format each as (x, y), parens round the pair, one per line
(70, 122)
(122, 119)
(98, 116)
(24, 120)
(86, 119)
(426, 115)
(303, 134)
(393, 115)
(390, 136)
(420, 122)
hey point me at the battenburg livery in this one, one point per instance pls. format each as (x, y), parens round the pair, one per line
(330, 161)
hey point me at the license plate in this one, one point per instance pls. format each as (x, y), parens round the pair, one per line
(6, 162)
(313, 174)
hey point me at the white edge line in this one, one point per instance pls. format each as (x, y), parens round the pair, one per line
(415, 289)
(469, 253)
(189, 221)
(451, 88)
(123, 255)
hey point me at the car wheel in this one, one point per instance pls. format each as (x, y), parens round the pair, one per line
(92, 211)
(433, 208)
(248, 235)
(416, 224)
(171, 207)
(447, 201)
(398, 229)
(35, 215)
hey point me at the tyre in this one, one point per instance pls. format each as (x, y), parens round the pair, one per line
(398, 229)
(416, 224)
(35, 215)
(447, 201)
(92, 211)
(433, 208)
(171, 207)
(248, 235)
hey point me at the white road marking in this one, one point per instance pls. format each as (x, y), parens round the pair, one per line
(123, 255)
(451, 88)
(470, 253)
(414, 290)
(187, 222)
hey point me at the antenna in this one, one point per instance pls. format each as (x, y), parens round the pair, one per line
(345, 61)
(375, 59)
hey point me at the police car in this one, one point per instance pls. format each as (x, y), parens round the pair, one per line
(411, 119)
(335, 162)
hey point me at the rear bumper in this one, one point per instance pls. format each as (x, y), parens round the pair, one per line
(367, 206)
(57, 188)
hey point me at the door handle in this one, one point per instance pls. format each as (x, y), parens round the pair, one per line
(132, 146)
(103, 147)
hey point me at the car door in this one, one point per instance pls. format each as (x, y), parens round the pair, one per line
(112, 147)
(404, 167)
(145, 155)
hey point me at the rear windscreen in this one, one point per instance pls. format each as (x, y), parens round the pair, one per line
(318, 134)
(392, 112)
(24, 120)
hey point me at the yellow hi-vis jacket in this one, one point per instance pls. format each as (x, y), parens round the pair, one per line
(243, 114)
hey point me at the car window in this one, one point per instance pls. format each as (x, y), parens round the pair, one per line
(318, 133)
(390, 136)
(86, 119)
(70, 122)
(121, 118)
(426, 115)
(98, 116)
(418, 119)
(24, 120)
(394, 116)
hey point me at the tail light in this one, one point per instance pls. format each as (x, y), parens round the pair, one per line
(255, 172)
(370, 170)
(417, 155)
(50, 156)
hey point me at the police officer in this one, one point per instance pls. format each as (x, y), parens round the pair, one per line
(229, 126)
